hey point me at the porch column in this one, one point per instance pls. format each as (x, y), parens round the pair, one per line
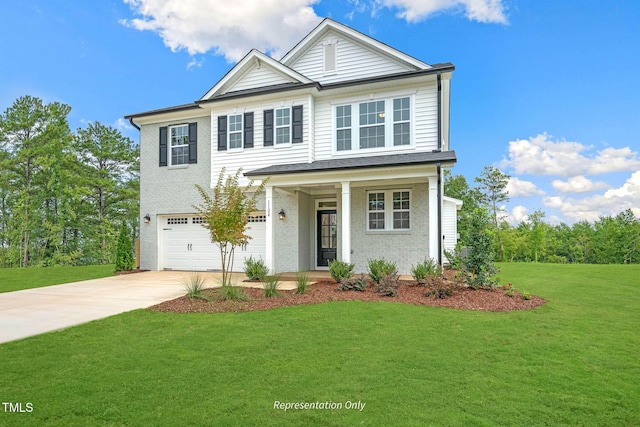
(269, 229)
(345, 244)
(433, 217)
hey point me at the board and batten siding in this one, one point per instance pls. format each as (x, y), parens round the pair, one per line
(354, 61)
(259, 156)
(258, 77)
(425, 128)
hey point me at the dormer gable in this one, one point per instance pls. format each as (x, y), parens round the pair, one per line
(255, 70)
(333, 52)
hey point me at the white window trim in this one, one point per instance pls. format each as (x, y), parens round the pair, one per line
(388, 211)
(355, 124)
(241, 132)
(171, 147)
(276, 127)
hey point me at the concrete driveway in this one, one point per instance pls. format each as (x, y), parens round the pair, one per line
(35, 311)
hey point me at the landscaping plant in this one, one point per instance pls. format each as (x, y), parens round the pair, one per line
(302, 283)
(124, 255)
(255, 269)
(271, 285)
(478, 267)
(230, 292)
(424, 270)
(340, 270)
(388, 285)
(353, 284)
(380, 267)
(194, 285)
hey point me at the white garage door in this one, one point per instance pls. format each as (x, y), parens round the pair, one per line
(186, 244)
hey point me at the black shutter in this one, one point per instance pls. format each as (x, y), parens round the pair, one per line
(193, 143)
(163, 146)
(222, 133)
(268, 128)
(296, 124)
(248, 130)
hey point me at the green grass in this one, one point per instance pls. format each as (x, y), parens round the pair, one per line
(571, 362)
(16, 279)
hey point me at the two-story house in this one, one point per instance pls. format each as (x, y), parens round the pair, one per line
(353, 135)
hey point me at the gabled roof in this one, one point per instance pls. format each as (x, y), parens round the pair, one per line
(253, 59)
(329, 24)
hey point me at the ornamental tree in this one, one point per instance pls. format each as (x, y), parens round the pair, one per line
(225, 213)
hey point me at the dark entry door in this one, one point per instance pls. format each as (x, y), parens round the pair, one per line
(327, 236)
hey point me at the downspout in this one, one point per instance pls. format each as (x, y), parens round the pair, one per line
(439, 171)
(135, 125)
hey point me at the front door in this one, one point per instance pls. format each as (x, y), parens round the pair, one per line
(327, 236)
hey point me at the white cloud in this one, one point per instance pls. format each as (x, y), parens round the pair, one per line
(476, 10)
(517, 215)
(542, 156)
(579, 184)
(122, 125)
(520, 188)
(612, 202)
(231, 29)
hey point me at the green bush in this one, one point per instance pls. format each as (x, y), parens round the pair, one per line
(302, 283)
(271, 285)
(424, 270)
(388, 285)
(525, 295)
(124, 253)
(478, 267)
(230, 292)
(380, 267)
(340, 270)
(353, 284)
(255, 269)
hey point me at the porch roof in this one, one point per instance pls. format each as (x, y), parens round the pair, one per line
(356, 163)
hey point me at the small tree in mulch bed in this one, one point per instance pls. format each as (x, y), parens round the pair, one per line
(478, 267)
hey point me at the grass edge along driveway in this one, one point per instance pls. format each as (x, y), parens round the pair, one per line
(17, 279)
(570, 362)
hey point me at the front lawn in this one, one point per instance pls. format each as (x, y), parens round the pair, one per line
(16, 279)
(573, 361)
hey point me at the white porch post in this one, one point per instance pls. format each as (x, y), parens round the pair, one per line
(345, 244)
(433, 217)
(269, 231)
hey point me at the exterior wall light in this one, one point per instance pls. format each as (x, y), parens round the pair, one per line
(282, 215)
(147, 219)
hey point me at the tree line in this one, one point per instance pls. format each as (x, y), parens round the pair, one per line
(64, 196)
(609, 240)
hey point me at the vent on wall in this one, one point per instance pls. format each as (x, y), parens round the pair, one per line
(330, 58)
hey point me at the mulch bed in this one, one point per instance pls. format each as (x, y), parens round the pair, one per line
(463, 298)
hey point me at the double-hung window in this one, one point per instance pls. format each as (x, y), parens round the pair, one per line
(179, 144)
(283, 125)
(378, 124)
(235, 131)
(388, 210)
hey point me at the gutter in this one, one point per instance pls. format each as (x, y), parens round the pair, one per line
(134, 124)
(441, 237)
(439, 79)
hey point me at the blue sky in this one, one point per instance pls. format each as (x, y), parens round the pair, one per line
(548, 90)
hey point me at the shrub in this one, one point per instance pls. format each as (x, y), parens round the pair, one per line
(340, 270)
(230, 292)
(380, 267)
(302, 283)
(478, 266)
(271, 285)
(424, 270)
(526, 295)
(441, 289)
(388, 285)
(194, 285)
(255, 270)
(124, 254)
(353, 284)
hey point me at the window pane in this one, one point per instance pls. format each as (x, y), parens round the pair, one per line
(401, 134)
(371, 113)
(371, 137)
(282, 135)
(283, 117)
(376, 220)
(376, 201)
(235, 140)
(343, 140)
(179, 135)
(179, 155)
(401, 220)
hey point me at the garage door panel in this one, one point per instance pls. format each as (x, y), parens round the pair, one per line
(186, 245)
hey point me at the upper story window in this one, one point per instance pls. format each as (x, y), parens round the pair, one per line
(235, 131)
(380, 124)
(179, 145)
(283, 126)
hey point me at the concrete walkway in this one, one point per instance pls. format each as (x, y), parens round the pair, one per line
(35, 311)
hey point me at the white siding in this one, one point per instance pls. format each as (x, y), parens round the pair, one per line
(425, 137)
(258, 77)
(354, 61)
(259, 156)
(449, 224)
